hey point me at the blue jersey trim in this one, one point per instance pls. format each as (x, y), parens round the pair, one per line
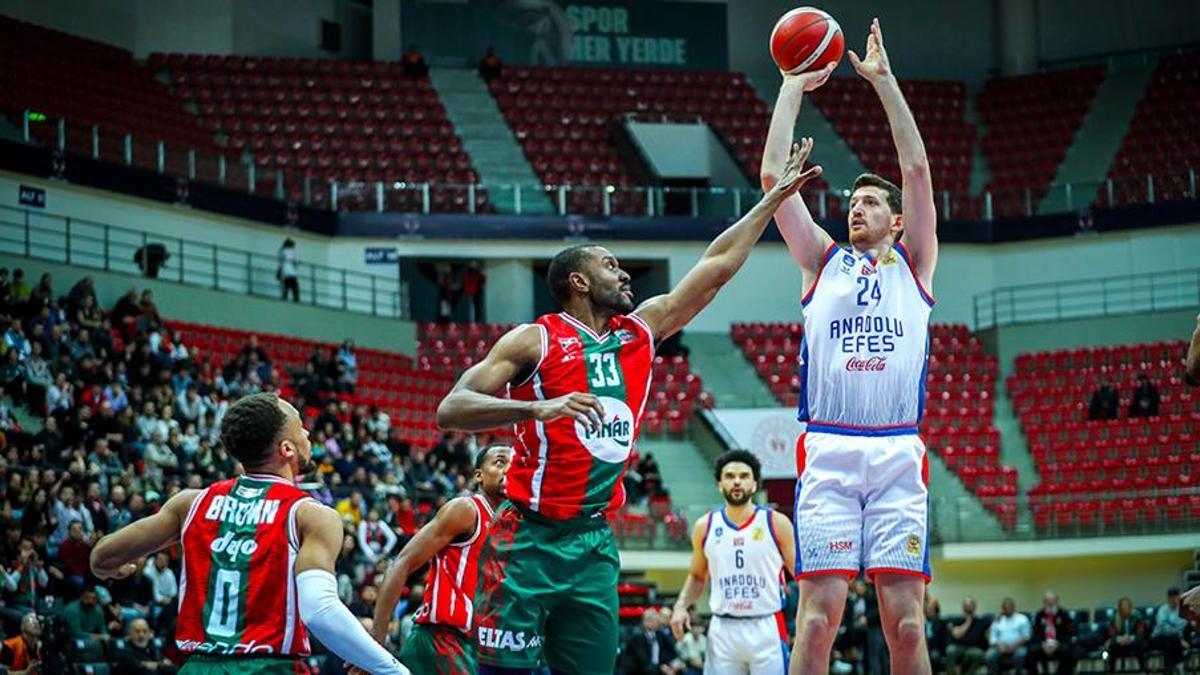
(847, 430)
(913, 271)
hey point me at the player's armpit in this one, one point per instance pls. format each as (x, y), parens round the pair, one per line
(142, 537)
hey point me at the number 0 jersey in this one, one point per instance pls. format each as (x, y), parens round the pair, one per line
(237, 593)
(745, 566)
(865, 345)
(562, 469)
(453, 575)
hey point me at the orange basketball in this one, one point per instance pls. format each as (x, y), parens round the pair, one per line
(806, 39)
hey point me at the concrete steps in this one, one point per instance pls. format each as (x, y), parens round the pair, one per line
(489, 142)
(726, 373)
(1090, 155)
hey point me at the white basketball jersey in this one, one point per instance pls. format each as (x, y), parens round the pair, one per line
(865, 345)
(745, 567)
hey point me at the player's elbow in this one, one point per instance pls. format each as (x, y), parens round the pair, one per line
(446, 416)
(104, 561)
(915, 170)
(768, 179)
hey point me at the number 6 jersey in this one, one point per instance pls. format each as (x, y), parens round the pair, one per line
(865, 344)
(745, 567)
(237, 593)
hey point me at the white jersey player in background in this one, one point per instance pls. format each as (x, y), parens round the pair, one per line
(743, 550)
(862, 496)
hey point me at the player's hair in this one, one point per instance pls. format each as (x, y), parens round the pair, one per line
(251, 428)
(482, 453)
(565, 263)
(744, 456)
(894, 200)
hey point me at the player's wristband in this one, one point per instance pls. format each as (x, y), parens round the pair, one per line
(340, 631)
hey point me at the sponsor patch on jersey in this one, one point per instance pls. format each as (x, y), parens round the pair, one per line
(717, 532)
(758, 534)
(847, 263)
(913, 545)
(841, 546)
(614, 439)
(508, 640)
(247, 492)
(624, 336)
(868, 270)
(889, 259)
(739, 541)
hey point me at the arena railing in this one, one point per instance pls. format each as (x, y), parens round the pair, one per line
(1086, 298)
(84, 243)
(237, 170)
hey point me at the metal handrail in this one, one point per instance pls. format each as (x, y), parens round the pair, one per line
(1086, 298)
(88, 243)
(721, 201)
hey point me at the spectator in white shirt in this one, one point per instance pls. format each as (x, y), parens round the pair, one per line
(1007, 637)
(162, 579)
(68, 509)
(1170, 633)
(156, 457)
(375, 538)
(693, 648)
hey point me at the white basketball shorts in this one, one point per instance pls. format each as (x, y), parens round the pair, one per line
(754, 645)
(862, 504)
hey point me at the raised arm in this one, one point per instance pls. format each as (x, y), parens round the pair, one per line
(669, 312)
(693, 586)
(473, 404)
(320, 530)
(920, 215)
(114, 555)
(805, 239)
(455, 519)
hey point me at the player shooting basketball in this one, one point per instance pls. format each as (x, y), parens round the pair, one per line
(862, 492)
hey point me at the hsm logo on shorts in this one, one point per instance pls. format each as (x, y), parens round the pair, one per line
(498, 638)
(844, 546)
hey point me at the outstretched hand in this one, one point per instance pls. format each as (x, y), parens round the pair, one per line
(811, 80)
(794, 175)
(874, 66)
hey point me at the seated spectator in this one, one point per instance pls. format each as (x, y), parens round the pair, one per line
(88, 315)
(375, 538)
(651, 651)
(149, 320)
(140, 655)
(1105, 403)
(490, 65)
(1171, 633)
(347, 364)
(693, 649)
(134, 593)
(1144, 402)
(158, 459)
(364, 604)
(22, 654)
(1126, 636)
(18, 290)
(25, 579)
(75, 553)
(84, 618)
(414, 65)
(1053, 637)
(936, 636)
(968, 640)
(1007, 637)
(67, 509)
(14, 340)
(351, 508)
(163, 583)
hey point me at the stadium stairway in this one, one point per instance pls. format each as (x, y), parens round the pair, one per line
(726, 373)
(488, 140)
(1014, 452)
(1099, 138)
(980, 172)
(955, 510)
(686, 472)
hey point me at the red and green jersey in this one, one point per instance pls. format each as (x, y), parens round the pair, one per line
(450, 588)
(562, 469)
(237, 593)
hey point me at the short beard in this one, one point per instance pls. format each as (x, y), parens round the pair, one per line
(307, 466)
(617, 302)
(745, 498)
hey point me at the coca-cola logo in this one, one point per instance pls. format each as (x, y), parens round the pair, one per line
(875, 363)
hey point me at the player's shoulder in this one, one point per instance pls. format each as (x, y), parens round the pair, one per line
(702, 525)
(310, 513)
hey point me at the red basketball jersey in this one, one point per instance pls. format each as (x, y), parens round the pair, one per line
(450, 589)
(237, 593)
(561, 468)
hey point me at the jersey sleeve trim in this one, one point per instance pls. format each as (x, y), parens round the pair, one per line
(771, 528)
(646, 327)
(900, 249)
(293, 533)
(192, 512)
(544, 338)
(707, 529)
(475, 532)
(825, 258)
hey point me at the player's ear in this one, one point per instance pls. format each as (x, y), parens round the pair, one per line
(579, 282)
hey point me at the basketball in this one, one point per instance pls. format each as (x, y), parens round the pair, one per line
(806, 39)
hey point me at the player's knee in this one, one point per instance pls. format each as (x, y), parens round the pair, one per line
(908, 634)
(815, 628)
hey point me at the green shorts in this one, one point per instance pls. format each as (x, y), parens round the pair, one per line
(547, 594)
(438, 650)
(241, 665)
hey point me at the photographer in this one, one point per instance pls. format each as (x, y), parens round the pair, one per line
(24, 579)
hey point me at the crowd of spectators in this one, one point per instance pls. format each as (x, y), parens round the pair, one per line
(120, 414)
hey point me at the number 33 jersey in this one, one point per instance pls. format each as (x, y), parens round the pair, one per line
(238, 586)
(563, 469)
(866, 335)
